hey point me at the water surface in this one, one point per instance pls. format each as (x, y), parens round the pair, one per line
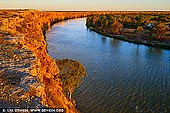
(122, 77)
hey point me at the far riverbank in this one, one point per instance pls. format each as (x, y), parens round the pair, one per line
(153, 43)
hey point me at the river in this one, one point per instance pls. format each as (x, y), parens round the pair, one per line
(122, 77)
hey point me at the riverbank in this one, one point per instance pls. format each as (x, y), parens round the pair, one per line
(139, 28)
(28, 75)
(153, 43)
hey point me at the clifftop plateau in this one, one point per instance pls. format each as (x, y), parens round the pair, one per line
(28, 75)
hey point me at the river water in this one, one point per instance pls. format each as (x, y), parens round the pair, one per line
(122, 77)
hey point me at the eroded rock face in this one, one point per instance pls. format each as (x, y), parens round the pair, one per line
(28, 75)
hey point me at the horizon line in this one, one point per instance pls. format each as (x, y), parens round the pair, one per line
(157, 10)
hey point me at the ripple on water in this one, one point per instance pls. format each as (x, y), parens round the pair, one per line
(123, 77)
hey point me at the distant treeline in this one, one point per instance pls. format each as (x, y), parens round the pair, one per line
(156, 23)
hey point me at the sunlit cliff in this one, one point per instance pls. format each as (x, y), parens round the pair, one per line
(28, 75)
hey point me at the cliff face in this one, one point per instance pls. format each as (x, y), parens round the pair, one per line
(28, 75)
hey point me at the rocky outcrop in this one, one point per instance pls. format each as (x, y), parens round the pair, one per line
(28, 75)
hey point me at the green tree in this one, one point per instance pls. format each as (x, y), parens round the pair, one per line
(71, 74)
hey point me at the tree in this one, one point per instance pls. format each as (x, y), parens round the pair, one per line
(160, 29)
(95, 19)
(115, 27)
(71, 74)
(139, 29)
(89, 21)
(104, 25)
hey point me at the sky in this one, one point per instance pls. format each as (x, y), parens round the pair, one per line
(92, 5)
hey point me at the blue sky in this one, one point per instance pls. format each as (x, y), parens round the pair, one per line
(87, 4)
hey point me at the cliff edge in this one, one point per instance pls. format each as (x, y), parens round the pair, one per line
(28, 75)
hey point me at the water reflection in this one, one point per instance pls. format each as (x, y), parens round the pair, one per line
(62, 24)
(154, 53)
(136, 51)
(103, 39)
(114, 42)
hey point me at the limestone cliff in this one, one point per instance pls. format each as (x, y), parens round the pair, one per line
(28, 75)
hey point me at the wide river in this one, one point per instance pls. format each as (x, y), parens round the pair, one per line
(122, 77)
